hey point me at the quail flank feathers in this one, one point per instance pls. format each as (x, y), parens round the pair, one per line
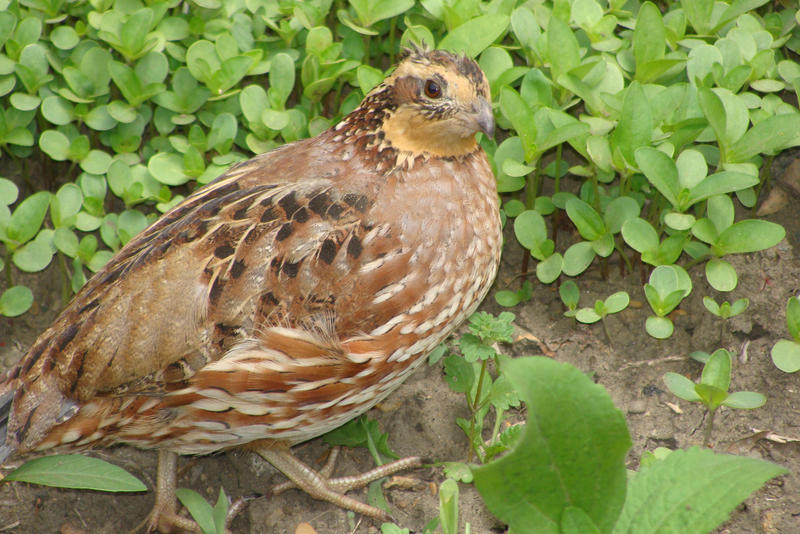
(283, 299)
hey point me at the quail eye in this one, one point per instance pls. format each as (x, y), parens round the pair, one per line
(432, 89)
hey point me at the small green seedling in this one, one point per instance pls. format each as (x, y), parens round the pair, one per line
(612, 304)
(509, 299)
(211, 520)
(712, 390)
(725, 310)
(570, 295)
(669, 285)
(447, 518)
(786, 352)
(468, 374)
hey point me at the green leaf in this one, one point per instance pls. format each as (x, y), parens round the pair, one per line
(745, 400)
(549, 269)
(8, 192)
(721, 275)
(575, 521)
(648, 37)
(681, 387)
(569, 294)
(769, 136)
(517, 111)
(659, 327)
(475, 35)
(586, 219)
(563, 48)
(577, 258)
(530, 229)
(691, 491)
(617, 302)
(199, 508)
(748, 236)
(459, 374)
(786, 355)
(28, 217)
(662, 172)
(281, 79)
(556, 465)
(587, 316)
(77, 472)
(717, 371)
(793, 317)
(167, 168)
(448, 506)
(635, 126)
(15, 301)
(711, 305)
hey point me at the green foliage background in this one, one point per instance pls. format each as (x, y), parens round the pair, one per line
(121, 107)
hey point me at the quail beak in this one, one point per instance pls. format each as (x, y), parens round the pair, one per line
(484, 118)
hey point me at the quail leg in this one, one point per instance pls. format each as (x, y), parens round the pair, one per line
(320, 486)
(164, 517)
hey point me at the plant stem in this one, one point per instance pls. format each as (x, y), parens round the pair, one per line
(65, 287)
(709, 428)
(605, 329)
(9, 277)
(474, 409)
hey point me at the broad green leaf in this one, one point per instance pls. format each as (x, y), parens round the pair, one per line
(769, 136)
(550, 268)
(76, 471)
(199, 508)
(587, 316)
(33, 256)
(563, 48)
(691, 492)
(659, 327)
(575, 521)
(639, 235)
(556, 466)
(718, 184)
(617, 302)
(448, 506)
(748, 236)
(745, 400)
(167, 168)
(281, 79)
(648, 37)
(475, 35)
(717, 371)
(517, 111)
(662, 172)
(721, 275)
(635, 126)
(15, 301)
(28, 217)
(786, 355)
(711, 305)
(530, 229)
(681, 387)
(577, 258)
(586, 219)
(793, 317)
(619, 211)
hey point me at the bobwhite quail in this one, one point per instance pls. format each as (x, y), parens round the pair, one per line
(283, 299)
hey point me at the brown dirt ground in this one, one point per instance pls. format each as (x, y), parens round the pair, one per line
(420, 416)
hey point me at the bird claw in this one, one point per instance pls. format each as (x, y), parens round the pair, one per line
(319, 485)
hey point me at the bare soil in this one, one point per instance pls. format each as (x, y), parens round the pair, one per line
(420, 416)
